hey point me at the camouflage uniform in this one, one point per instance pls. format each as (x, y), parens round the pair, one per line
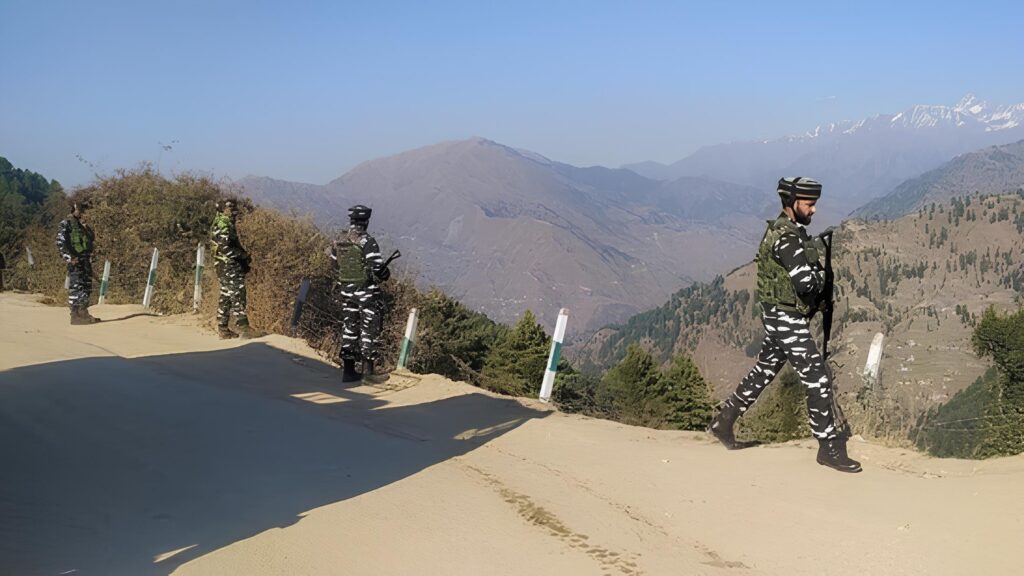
(790, 284)
(361, 302)
(75, 239)
(232, 264)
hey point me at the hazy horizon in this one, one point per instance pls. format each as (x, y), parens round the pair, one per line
(305, 92)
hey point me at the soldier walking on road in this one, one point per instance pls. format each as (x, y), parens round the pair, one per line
(75, 241)
(360, 269)
(231, 262)
(791, 288)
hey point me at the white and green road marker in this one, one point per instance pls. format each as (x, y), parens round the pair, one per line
(104, 282)
(556, 351)
(409, 339)
(147, 298)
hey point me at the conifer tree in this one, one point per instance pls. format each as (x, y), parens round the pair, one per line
(686, 395)
(515, 364)
(454, 341)
(630, 388)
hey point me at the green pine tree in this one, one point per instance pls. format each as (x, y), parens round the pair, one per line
(576, 392)
(515, 364)
(686, 395)
(453, 340)
(630, 389)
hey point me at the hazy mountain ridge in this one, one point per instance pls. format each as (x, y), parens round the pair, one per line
(856, 161)
(921, 280)
(993, 170)
(505, 230)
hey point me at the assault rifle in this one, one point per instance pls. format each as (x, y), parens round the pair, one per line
(394, 255)
(827, 294)
(826, 306)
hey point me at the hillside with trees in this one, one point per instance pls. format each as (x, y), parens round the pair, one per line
(993, 170)
(23, 202)
(924, 281)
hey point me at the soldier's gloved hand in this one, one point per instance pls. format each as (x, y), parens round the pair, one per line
(383, 274)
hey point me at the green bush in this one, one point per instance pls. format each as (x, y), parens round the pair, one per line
(516, 362)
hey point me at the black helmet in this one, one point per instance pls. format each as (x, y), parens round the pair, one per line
(359, 213)
(796, 188)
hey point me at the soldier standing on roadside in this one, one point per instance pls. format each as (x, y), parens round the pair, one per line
(359, 272)
(75, 241)
(231, 262)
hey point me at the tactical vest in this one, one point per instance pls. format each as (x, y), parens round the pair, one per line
(222, 225)
(774, 286)
(81, 237)
(351, 264)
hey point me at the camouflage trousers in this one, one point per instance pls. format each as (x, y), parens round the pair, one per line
(79, 284)
(232, 294)
(788, 337)
(360, 321)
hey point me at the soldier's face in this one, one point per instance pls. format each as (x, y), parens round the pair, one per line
(804, 210)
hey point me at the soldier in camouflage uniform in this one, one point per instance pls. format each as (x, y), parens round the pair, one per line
(75, 240)
(232, 264)
(360, 269)
(790, 289)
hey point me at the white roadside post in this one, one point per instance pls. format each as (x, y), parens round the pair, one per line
(67, 281)
(197, 294)
(556, 351)
(409, 339)
(874, 362)
(31, 260)
(104, 282)
(147, 298)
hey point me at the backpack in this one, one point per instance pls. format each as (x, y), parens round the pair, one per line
(351, 265)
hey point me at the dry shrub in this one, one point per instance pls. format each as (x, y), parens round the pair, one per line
(284, 250)
(136, 210)
(132, 213)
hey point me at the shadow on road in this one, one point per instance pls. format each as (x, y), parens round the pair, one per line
(108, 463)
(130, 316)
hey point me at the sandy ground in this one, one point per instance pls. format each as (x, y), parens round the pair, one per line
(144, 445)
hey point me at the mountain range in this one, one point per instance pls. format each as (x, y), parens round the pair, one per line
(505, 230)
(856, 160)
(993, 170)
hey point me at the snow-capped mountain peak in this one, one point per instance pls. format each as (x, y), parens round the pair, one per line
(970, 104)
(969, 113)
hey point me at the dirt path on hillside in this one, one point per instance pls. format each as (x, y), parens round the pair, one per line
(147, 446)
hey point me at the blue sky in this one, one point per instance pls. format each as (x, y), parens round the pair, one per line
(307, 90)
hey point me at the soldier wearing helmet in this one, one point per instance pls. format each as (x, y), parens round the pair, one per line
(75, 241)
(790, 289)
(359, 272)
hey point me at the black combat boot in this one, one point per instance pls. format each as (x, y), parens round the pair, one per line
(89, 317)
(348, 370)
(225, 333)
(832, 453)
(370, 376)
(721, 427)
